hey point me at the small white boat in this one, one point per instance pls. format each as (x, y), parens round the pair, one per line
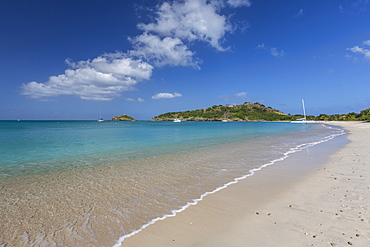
(303, 120)
(176, 120)
(100, 119)
(225, 117)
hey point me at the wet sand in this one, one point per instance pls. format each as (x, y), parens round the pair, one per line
(310, 199)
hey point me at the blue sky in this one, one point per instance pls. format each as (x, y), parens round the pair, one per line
(73, 59)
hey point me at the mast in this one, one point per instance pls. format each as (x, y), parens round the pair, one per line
(304, 110)
(100, 118)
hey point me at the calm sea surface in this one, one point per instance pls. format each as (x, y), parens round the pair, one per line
(38, 146)
(89, 183)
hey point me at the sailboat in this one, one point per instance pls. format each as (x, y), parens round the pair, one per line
(225, 119)
(303, 120)
(100, 119)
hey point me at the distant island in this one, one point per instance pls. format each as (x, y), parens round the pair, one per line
(253, 112)
(123, 117)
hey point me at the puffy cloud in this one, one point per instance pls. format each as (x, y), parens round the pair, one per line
(361, 50)
(103, 78)
(366, 42)
(166, 95)
(272, 50)
(161, 52)
(239, 3)
(166, 40)
(191, 20)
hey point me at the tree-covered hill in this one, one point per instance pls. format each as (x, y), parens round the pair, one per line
(123, 117)
(245, 112)
(254, 112)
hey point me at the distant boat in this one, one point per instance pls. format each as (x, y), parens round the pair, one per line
(225, 119)
(100, 119)
(304, 119)
(176, 120)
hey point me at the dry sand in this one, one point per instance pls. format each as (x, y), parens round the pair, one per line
(309, 199)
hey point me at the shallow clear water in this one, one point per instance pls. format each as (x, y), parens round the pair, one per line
(38, 146)
(85, 183)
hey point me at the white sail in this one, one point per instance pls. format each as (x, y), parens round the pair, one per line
(304, 119)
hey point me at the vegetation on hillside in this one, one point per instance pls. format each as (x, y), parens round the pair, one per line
(362, 116)
(244, 112)
(254, 112)
(123, 117)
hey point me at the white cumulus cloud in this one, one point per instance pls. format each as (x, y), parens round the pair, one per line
(103, 78)
(166, 95)
(366, 42)
(190, 20)
(161, 52)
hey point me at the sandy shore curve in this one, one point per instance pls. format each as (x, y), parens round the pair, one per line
(317, 197)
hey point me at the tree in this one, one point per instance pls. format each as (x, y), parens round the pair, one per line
(365, 115)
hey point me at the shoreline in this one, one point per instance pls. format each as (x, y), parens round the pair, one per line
(281, 205)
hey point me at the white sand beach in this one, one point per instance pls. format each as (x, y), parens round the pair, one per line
(309, 199)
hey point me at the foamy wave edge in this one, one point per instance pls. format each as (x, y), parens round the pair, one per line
(298, 148)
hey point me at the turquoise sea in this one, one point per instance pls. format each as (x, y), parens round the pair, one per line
(39, 146)
(99, 180)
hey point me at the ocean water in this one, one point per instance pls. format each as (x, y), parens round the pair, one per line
(88, 183)
(38, 146)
